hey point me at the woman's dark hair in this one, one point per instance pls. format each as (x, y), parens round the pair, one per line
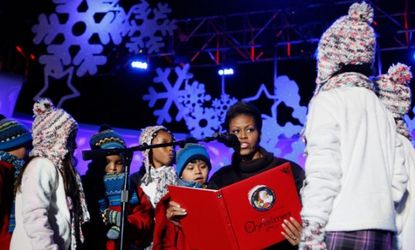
(243, 108)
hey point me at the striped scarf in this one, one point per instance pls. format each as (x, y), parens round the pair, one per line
(347, 79)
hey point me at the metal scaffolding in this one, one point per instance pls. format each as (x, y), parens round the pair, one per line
(283, 34)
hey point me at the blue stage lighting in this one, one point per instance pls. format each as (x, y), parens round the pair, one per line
(226, 72)
(136, 64)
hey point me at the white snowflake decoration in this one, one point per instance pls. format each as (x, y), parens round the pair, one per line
(76, 33)
(222, 104)
(190, 100)
(194, 95)
(148, 26)
(172, 93)
(203, 122)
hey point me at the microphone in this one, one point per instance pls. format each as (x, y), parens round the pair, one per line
(230, 140)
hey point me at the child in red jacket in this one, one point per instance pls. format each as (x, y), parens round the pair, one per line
(14, 140)
(192, 167)
(103, 186)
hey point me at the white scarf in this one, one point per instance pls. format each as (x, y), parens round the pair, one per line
(155, 182)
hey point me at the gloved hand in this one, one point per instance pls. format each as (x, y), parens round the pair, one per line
(113, 233)
(111, 217)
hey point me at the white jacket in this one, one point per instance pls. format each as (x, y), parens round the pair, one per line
(42, 214)
(405, 220)
(354, 168)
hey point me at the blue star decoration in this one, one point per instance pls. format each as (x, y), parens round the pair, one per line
(53, 81)
(262, 90)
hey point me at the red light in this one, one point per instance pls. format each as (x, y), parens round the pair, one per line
(19, 49)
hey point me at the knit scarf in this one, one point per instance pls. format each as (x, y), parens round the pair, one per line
(347, 79)
(113, 187)
(162, 176)
(82, 216)
(17, 165)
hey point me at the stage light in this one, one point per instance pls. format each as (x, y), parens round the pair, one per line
(226, 72)
(137, 64)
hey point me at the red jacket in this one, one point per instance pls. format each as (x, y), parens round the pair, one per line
(139, 226)
(139, 222)
(6, 199)
(167, 236)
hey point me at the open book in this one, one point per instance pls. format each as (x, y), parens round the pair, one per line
(245, 215)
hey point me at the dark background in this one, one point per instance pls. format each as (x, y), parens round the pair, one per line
(114, 95)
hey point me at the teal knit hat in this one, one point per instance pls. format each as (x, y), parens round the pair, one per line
(13, 135)
(189, 153)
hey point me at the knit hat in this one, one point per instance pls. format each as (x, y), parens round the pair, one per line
(51, 129)
(146, 137)
(189, 153)
(395, 93)
(394, 89)
(106, 138)
(348, 41)
(13, 135)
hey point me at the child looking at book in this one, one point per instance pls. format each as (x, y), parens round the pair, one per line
(192, 167)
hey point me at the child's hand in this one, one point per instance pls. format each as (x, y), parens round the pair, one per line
(292, 231)
(174, 211)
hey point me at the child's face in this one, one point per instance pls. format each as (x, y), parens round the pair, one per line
(196, 171)
(114, 164)
(162, 156)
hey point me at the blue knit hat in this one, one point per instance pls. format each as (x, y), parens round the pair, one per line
(106, 138)
(189, 153)
(13, 135)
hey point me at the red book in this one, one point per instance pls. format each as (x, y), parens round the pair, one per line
(245, 215)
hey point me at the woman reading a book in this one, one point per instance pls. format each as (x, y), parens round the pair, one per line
(244, 120)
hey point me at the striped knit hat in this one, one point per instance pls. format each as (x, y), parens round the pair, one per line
(106, 138)
(13, 135)
(51, 130)
(348, 41)
(395, 93)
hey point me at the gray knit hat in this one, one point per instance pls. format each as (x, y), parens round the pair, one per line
(350, 40)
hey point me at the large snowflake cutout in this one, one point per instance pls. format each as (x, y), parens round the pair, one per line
(148, 26)
(75, 34)
(172, 93)
(222, 104)
(194, 95)
(189, 98)
(68, 41)
(203, 122)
